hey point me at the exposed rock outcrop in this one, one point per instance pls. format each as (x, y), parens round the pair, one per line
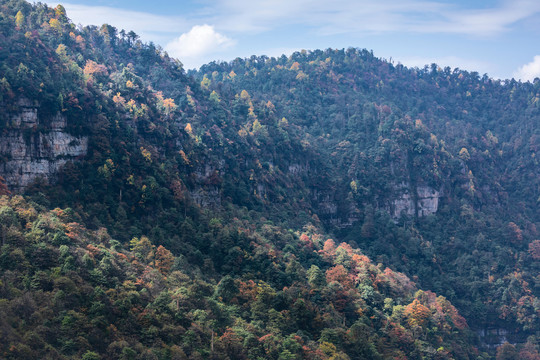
(428, 200)
(491, 337)
(30, 148)
(206, 191)
(298, 169)
(206, 197)
(333, 209)
(418, 201)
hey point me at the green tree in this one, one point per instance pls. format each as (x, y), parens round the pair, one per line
(90, 355)
(316, 277)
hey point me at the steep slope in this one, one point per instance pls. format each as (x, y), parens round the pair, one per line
(184, 226)
(68, 292)
(419, 142)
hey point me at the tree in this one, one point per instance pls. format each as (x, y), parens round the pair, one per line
(316, 277)
(19, 20)
(109, 33)
(244, 95)
(464, 154)
(205, 82)
(226, 289)
(514, 233)
(60, 12)
(164, 260)
(3, 187)
(339, 274)
(93, 68)
(417, 313)
(7, 219)
(169, 105)
(142, 247)
(534, 249)
(507, 352)
(329, 247)
(55, 24)
(90, 355)
(132, 37)
(147, 155)
(214, 97)
(256, 127)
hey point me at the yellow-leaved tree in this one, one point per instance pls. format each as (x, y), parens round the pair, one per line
(417, 313)
(19, 20)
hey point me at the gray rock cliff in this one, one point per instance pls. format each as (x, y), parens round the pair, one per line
(30, 148)
(419, 201)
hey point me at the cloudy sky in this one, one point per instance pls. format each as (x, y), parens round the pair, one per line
(497, 37)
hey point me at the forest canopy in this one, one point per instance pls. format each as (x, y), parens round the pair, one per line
(324, 205)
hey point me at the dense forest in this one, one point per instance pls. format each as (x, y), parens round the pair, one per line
(380, 126)
(326, 205)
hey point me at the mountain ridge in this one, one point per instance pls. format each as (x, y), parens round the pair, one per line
(220, 189)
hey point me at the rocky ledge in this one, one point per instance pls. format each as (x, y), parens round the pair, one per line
(417, 201)
(30, 149)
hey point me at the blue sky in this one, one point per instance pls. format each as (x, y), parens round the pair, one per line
(500, 38)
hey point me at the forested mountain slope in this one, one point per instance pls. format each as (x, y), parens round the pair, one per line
(449, 144)
(166, 215)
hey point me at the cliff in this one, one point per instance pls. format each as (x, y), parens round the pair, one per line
(418, 201)
(31, 147)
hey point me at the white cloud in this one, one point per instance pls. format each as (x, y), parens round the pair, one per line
(530, 71)
(193, 47)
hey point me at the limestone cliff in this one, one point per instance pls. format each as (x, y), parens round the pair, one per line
(418, 201)
(32, 148)
(206, 191)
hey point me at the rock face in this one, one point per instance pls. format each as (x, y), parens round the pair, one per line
(30, 149)
(420, 201)
(428, 200)
(493, 338)
(206, 197)
(332, 209)
(206, 193)
(297, 169)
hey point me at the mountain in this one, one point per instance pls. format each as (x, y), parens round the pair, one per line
(326, 205)
(448, 155)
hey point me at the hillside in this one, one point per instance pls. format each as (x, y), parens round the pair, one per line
(453, 152)
(152, 214)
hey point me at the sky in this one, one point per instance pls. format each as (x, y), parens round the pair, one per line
(500, 38)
